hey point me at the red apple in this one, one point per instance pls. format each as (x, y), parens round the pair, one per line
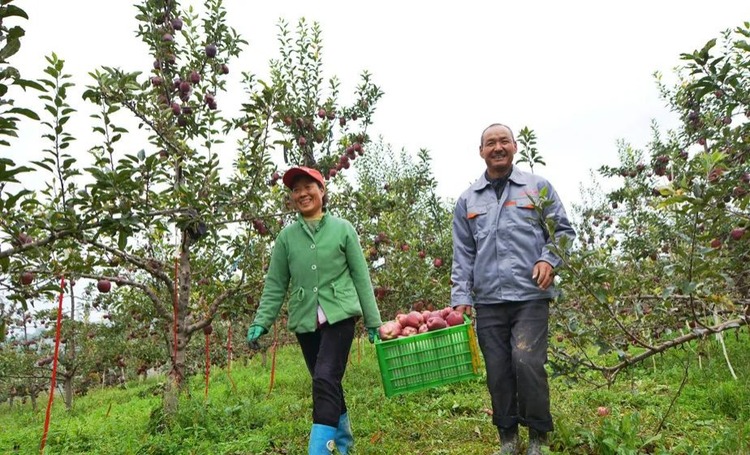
(716, 244)
(389, 330)
(436, 323)
(737, 233)
(211, 51)
(103, 286)
(409, 331)
(602, 411)
(437, 262)
(27, 278)
(413, 319)
(454, 318)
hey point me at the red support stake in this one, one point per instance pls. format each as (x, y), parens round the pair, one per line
(54, 366)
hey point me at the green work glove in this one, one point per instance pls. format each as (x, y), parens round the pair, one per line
(254, 332)
(372, 333)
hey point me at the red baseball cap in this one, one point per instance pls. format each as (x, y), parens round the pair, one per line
(293, 173)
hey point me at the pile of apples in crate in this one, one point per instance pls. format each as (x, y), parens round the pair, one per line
(414, 322)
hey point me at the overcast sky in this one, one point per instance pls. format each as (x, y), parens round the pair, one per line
(580, 73)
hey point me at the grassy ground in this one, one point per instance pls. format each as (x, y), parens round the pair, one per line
(710, 416)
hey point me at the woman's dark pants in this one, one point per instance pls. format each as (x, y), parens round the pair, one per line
(326, 353)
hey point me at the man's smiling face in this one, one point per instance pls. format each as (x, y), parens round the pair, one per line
(497, 149)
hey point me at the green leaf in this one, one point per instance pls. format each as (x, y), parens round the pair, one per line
(122, 240)
(25, 112)
(688, 287)
(12, 10)
(11, 48)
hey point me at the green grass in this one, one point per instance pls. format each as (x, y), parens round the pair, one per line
(710, 416)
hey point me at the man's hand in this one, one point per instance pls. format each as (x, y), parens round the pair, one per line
(463, 309)
(544, 274)
(372, 333)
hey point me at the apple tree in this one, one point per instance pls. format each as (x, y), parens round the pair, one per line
(661, 259)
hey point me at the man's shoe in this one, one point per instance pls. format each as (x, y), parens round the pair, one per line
(508, 441)
(536, 440)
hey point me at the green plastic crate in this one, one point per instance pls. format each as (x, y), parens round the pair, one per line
(429, 359)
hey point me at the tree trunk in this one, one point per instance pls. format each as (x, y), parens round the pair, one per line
(176, 376)
(70, 356)
(68, 390)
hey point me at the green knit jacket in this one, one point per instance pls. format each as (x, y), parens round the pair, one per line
(326, 268)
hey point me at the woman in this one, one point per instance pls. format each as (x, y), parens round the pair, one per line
(319, 260)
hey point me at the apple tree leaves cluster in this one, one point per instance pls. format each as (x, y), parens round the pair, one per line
(662, 257)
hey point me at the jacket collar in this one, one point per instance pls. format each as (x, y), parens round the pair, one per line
(303, 225)
(517, 176)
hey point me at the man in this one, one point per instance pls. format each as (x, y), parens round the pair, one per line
(504, 269)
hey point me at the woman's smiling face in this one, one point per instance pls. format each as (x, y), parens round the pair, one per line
(307, 196)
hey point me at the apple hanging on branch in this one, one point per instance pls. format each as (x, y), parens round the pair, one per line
(26, 278)
(104, 285)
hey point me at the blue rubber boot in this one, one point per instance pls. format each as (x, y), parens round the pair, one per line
(344, 436)
(321, 440)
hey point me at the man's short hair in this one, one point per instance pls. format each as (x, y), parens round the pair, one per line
(481, 138)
